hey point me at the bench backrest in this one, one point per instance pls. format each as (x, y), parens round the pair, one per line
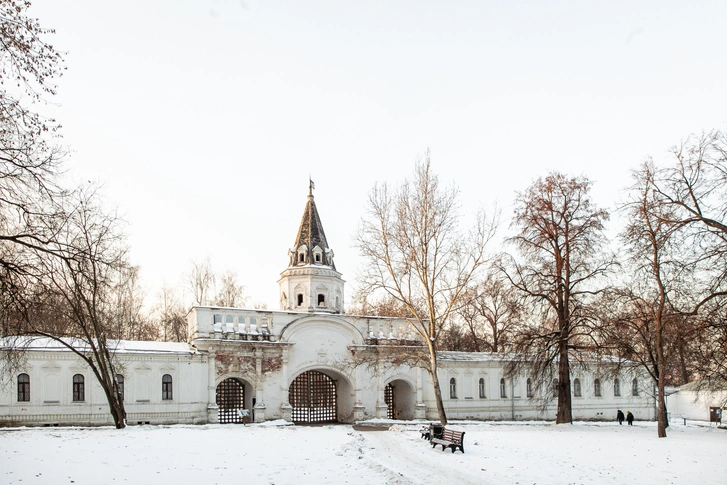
(451, 435)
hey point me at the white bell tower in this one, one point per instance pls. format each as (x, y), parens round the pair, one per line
(311, 282)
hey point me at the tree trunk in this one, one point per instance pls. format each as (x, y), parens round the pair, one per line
(435, 383)
(564, 414)
(662, 422)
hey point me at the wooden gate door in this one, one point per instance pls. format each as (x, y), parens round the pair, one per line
(313, 398)
(230, 400)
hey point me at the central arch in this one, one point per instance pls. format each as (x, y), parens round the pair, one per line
(314, 398)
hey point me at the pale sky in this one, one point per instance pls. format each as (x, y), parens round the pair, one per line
(204, 119)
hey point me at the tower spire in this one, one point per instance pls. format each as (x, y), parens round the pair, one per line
(311, 282)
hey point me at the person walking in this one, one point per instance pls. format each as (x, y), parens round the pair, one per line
(620, 416)
(629, 418)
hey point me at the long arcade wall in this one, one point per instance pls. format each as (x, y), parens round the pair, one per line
(266, 351)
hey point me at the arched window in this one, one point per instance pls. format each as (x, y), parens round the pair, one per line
(453, 388)
(79, 388)
(167, 387)
(300, 299)
(301, 257)
(503, 390)
(482, 388)
(321, 299)
(555, 388)
(597, 388)
(23, 388)
(577, 387)
(616, 387)
(635, 387)
(529, 387)
(120, 385)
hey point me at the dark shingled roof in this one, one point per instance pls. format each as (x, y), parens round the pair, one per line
(310, 231)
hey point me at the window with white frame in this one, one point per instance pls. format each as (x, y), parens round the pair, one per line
(79, 388)
(23, 388)
(167, 393)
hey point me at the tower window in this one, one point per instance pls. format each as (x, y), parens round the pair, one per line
(300, 299)
(301, 257)
(318, 258)
(321, 300)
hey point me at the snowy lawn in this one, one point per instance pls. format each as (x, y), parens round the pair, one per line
(495, 453)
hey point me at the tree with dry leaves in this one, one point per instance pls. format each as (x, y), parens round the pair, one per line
(659, 269)
(416, 255)
(559, 262)
(491, 313)
(692, 187)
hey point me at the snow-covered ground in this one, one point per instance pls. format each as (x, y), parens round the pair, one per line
(270, 453)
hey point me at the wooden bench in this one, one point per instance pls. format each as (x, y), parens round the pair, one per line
(450, 439)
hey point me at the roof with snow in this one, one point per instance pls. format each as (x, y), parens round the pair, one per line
(118, 346)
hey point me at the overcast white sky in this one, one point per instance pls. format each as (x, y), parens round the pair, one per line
(204, 119)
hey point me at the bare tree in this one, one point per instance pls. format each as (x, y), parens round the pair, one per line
(654, 246)
(201, 281)
(131, 320)
(693, 190)
(171, 316)
(77, 280)
(491, 312)
(29, 159)
(560, 240)
(230, 293)
(384, 306)
(416, 254)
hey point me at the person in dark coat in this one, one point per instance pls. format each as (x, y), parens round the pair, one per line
(620, 416)
(629, 418)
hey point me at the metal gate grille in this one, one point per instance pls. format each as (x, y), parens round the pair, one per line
(389, 400)
(230, 399)
(313, 398)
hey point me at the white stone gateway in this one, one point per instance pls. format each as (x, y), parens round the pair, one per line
(307, 363)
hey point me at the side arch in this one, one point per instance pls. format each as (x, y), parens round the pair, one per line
(400, 398)
(234, 398)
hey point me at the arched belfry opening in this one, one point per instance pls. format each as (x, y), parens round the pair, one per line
(314, 398)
